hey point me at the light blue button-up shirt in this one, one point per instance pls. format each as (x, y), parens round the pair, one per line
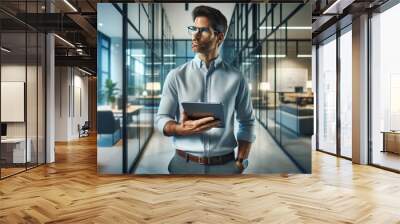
(220, 83)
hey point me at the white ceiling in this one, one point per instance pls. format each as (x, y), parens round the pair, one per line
(179, 19)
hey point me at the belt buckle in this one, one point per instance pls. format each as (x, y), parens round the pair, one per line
(204, 163)
(187, 157)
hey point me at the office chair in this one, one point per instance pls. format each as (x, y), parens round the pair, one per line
(84, 130)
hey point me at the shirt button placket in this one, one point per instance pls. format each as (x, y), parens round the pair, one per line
(208, 80)
(205, 99)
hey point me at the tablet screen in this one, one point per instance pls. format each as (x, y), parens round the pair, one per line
(196, 110)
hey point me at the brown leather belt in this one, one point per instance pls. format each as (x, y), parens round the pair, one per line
(213, 160)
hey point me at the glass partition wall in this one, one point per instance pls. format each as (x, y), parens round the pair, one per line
(135, 56)
(334, 94)
(22, 91)
(271, 43)
(327, 132)
(110, 87)
(385, 89)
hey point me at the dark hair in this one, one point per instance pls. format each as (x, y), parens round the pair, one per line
(217, 19)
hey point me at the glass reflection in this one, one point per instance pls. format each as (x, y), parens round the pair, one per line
(109, 82)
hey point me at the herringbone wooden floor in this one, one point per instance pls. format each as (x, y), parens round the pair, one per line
(70, 191)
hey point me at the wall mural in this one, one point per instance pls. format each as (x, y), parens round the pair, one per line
(205, 89)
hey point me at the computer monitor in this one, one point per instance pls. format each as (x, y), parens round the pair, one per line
(3, 129)
(298, 89)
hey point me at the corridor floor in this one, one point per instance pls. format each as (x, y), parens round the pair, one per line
(265, 156)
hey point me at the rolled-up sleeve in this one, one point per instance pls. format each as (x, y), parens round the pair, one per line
(244, 113)
(168, 103)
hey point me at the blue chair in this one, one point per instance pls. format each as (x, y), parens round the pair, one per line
(108, 129)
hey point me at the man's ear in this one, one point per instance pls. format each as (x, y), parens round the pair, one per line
(220, 37)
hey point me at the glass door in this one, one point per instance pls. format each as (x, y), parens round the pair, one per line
(346, 92)
(327, 95)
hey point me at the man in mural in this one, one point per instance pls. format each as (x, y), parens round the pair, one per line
(201, 148)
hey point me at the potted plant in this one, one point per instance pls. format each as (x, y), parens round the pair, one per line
(110, 91)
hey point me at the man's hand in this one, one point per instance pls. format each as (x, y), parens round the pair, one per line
(190, 127)
(240, 166)
(243, 153)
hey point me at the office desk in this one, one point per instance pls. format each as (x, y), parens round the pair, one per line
(391, 141)
(13, 150)
(297, 97)
(130, 110)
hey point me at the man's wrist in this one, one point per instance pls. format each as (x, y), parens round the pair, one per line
(170, 128)
(240, 160)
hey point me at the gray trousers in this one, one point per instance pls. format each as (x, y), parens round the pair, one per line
(179, 165)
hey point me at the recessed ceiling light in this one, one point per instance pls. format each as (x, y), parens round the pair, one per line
(100, 24)
(84, 71)
(138, 55)
(304, 56)
(70, 5)
(333, 7)
(288, 27)
(64, 40)
(5, 50)
(270, 56)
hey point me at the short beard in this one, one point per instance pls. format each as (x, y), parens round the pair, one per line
(204, 48)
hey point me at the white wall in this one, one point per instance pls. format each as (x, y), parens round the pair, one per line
(70, 84)
(61, 103)
(16, 73)
(33, 126)
(9, 73)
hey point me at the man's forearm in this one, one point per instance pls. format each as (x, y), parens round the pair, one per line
(243, 149)
(170, 128)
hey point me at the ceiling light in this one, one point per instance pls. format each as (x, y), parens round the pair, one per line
(100, 24)
(64, 40)
(169, 55)
(304, 56)
(70, 5)
(270, 56)
(288, 27)
(159, 63)
(138, 55)
(86, 72)
(333, 6)
(5, 50)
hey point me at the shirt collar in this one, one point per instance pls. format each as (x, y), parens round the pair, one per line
(217, 61)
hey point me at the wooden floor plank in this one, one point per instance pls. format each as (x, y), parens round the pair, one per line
(71, 191)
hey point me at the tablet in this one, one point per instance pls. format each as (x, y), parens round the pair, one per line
(197, 110)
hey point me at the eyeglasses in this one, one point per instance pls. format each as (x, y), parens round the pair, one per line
(193, 30)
